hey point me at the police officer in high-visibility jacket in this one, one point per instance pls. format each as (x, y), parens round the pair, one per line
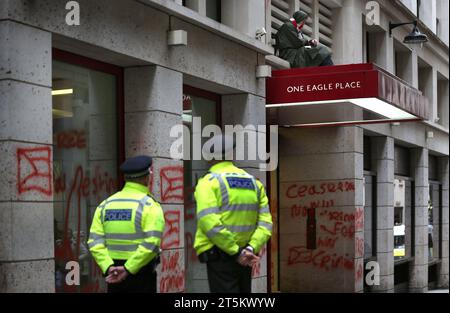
(233, 220)
(126, 232)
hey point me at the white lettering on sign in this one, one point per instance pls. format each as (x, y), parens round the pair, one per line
(324, 87)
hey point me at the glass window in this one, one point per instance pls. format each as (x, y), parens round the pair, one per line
(402, 162)
(85, 165)
(213, 10)
(434, 218)
(402, 218)
(367, 143)
(198, 106)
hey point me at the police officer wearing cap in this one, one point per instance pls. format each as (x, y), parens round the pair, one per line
(233, 219)
(126, 231)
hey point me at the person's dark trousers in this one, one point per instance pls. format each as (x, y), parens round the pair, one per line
(226, 275)
(143, 282)
(327, 62)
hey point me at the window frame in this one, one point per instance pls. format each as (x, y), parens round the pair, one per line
(118, 73)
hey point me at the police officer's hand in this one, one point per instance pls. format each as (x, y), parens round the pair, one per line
(247, 258)
(116, 275)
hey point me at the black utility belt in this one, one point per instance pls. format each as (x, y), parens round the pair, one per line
(214, 254)
(150, 267)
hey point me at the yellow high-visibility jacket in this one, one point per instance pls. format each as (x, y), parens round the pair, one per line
(127, 226)
(232, 210)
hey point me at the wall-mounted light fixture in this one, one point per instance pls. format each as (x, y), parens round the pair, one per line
(177, 37)
(260, 33)
(263, 71)
(415, 37)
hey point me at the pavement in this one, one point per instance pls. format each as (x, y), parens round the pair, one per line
(438, 291)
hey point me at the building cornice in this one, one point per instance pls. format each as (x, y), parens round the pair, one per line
(423, 27)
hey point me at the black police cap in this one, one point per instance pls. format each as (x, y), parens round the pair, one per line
(136, 166)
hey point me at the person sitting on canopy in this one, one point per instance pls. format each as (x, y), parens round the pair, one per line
(296, 49)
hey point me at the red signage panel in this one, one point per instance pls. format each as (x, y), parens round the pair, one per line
(344, 82)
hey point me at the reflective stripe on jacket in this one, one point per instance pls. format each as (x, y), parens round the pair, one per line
(127, 226)
(232, 210)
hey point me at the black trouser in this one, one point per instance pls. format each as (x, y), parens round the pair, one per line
(327, 62)
(226, 275)
(142, 282)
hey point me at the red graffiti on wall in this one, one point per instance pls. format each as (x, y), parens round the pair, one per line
(359, 219)
(319, 258)
(339, 229)
(171, 236)
(34, 170)
(99, 185)
(334, 225)
(171, 183)
(301, 191)
(359, 247)
(190, 251)
(189, 205)
(81, 186)
(70, 139)
(172, 273)
(302, 211)
(359, 270)
(327, 242)
(96, 277)
(338, 216)
(256, 268)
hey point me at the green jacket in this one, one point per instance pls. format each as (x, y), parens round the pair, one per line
(232, 210)
(127, 226)
(292, 48)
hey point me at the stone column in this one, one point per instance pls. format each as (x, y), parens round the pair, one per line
(321, 209)
(248, 110)
(26, 193)
(419, 268)
(153, 104)
(444, 266)
(442, 29)
(434, 95)
(427, 13)
(347, 24)
(244, 16)
(197, 5)
(383, 157)
(415, 69)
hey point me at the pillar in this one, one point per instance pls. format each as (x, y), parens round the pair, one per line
(153, 104)
(419, 268)
(26, 193)
(249, 110)
(197, 5)
(321, 209)
(347, 23)
(444, 266)
(244, 16)
(383, 157)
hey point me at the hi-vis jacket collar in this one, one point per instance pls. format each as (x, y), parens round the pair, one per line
(130, 186)
(220, 166)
